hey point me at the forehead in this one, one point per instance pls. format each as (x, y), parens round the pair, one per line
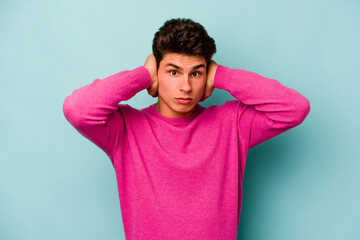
(182, 60)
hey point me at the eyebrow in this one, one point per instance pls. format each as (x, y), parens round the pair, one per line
(179, 68)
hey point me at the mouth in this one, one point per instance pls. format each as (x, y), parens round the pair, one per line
(184, 98)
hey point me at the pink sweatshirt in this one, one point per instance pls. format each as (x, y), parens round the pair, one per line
(181, 178)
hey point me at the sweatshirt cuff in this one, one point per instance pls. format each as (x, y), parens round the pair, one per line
(220, 77)
(143, 77)
(224, 77)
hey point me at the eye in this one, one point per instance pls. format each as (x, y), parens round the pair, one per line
(195, 74)
(173, 72)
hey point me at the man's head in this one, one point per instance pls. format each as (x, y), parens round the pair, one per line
(183, 36)
(183, 51)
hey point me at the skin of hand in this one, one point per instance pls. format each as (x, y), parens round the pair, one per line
(150, 65)
(209, 88)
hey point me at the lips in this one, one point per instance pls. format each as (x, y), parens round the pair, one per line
(184, 100)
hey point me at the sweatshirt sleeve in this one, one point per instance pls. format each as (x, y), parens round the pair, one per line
(266, 108)
(93, 109)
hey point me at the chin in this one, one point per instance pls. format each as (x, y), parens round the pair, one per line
(185, 108)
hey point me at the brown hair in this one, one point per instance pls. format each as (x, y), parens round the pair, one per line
(183, 36)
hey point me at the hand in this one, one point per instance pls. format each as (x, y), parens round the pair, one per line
(209, 88)
(150, 65)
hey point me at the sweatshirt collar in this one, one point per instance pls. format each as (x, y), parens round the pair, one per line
(176, 121)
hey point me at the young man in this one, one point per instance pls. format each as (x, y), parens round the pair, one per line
(180, 166)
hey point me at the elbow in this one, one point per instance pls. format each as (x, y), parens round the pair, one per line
(69, 110)
(66, 108)
(302, 110)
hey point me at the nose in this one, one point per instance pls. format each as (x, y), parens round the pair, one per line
(185, 84)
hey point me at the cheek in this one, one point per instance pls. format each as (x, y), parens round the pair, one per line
(164, 84)
(200, 85)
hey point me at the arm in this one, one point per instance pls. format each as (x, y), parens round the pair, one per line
(266, 109)
(92, 109)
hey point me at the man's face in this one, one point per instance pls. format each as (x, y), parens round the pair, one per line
(180, 76)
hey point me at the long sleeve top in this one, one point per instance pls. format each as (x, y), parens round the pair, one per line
(181, 178)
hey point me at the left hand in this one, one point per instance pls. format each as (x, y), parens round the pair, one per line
(150, 65)
(209, 87)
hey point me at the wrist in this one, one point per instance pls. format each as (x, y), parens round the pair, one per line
(212, 71)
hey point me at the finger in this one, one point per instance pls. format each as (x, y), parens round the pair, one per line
(203, 97)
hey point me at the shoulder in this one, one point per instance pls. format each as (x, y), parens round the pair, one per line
(228, 109)
(228, 106)
(127, 110)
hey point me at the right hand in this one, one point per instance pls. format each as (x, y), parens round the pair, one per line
(150, 65)
(209, 87)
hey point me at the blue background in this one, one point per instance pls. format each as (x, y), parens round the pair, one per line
(55, 184)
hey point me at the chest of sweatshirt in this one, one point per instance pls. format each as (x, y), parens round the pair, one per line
(210, 137)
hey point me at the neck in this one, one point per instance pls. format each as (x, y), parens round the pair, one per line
(157, 105)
